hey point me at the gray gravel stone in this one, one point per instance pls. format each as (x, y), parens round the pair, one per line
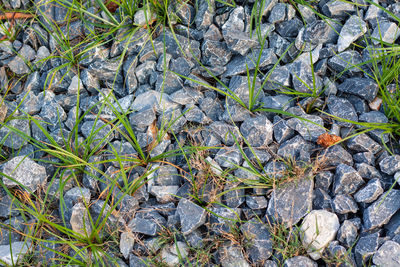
(338, 9)
(386, 31)
(323, 180)
(342, 108)
(238, 64)
(370, 192)
(260, 239)
(292, 201)
(191, 215)
(309, 131)
(347, 234)
(296, 148)
(257, 131)
(18, 66)
(229, 157)
(98, 131)
(380, 211)
(144, 226)
(345, 62)
(24, 171)
(362, 87)
(353, 29)
(343, 204)
(106, 70)
(299, 261)
(239, 42)
(366, 246)
(390, 165)
(216, 53)
(388, 254)
(346, 180)
(232, 256)
(282, 132)
(10, 138)
(224, 132)
(222, 221)
(363, 143)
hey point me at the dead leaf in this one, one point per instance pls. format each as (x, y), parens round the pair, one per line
(327, 140)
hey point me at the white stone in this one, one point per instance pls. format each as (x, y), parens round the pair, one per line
(170, 255)
(388, 255)
(75, 86)
(320, 228)
(142, 18)
(353, 29)
(126, 243)
(11, 255)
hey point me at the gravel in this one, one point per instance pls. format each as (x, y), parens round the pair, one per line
(268, 164)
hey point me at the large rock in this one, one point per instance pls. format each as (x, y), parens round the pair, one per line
(320, 228)
(292, 201)
(25, 172)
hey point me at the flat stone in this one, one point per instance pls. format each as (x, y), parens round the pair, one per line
(144, 226)
(346, 180)
(388, 254)
(376, 117)
(367, 171)
(292, 201)
(299, 261)
(191, 215)
(385, 31)
(24, 171)
(362, 87)
(342, 108)
(353, 29)
(320, 228)
(343, 204)
(380, 211)
(257, 131)
(260, 240)
(370, 192)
